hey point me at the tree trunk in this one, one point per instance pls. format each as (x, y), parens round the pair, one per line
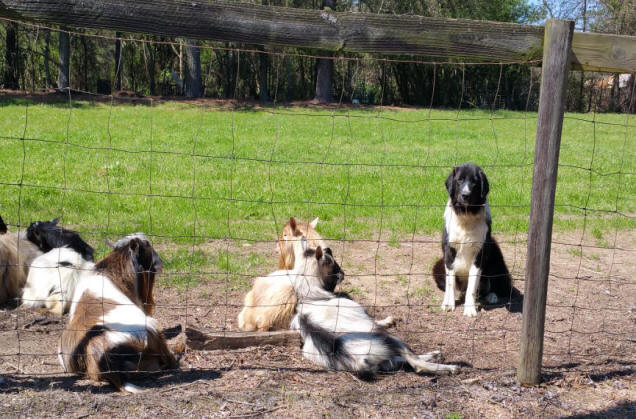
(614, 93)
(84, 41)
(63, 75)
(263, 86)
(11, 79)
(47, 56)
(193, 83)
(118, 68)
(324, 69)
(150, 64)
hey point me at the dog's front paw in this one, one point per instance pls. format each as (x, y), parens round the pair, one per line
(470, 311)
(448, 306)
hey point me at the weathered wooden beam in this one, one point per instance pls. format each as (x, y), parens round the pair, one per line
(553, 95)
(609, 53)
(198, 339)
(269, 25)
(332, 31)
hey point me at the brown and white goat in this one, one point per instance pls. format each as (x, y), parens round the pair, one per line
(290, 238)
(16, 255)
(110, 335)
(270, 304)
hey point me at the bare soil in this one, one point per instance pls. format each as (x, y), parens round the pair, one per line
(589, 352)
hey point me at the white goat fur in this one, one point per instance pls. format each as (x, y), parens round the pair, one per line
(52, 279)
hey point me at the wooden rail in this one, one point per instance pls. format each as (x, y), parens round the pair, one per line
(333, 31)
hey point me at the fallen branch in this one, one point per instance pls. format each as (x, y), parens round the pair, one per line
(198, 339)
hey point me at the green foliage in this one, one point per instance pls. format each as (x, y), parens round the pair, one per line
(352, 168)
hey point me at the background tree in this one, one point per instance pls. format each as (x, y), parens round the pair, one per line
(324, 68)
(63, 74)
(11, 78)
(193, 83)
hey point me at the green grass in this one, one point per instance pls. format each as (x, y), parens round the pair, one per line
(210, 174)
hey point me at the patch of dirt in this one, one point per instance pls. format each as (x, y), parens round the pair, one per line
(589, 352)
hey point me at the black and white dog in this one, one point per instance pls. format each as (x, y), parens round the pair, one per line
(473, 262)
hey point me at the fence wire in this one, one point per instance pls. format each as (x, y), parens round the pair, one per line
(212, 183)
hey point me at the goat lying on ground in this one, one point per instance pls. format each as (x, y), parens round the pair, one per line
(16, 255)
(110, 335)
(270, 304)
(339, 334)
(53, 276)
(47, 235)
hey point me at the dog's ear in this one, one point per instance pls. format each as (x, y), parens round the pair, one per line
(314, 223)
(450, 183)
(485, 187)
(55, 221)
(319, 253)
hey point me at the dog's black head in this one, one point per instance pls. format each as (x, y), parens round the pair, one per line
(47, 235)
(328, 269)
(467, 188)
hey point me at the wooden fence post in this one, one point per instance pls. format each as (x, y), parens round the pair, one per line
(554, 77)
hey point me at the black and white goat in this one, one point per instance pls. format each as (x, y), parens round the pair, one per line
(16, 255)
(47, 235)
(110, 335)
(339, 334)
(53, 276)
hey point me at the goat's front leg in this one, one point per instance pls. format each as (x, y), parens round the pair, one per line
(449, 295)
(387, 322)
(470, 302)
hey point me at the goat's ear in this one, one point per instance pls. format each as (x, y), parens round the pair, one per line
(133, 245)
(314, 223)
(450, 182)
(485, 187)
(319, 253)
(292, 223)
(56, 220)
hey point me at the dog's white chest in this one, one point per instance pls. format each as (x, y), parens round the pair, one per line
(466, 234)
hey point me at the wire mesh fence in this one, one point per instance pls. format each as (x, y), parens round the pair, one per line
(212, 183)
